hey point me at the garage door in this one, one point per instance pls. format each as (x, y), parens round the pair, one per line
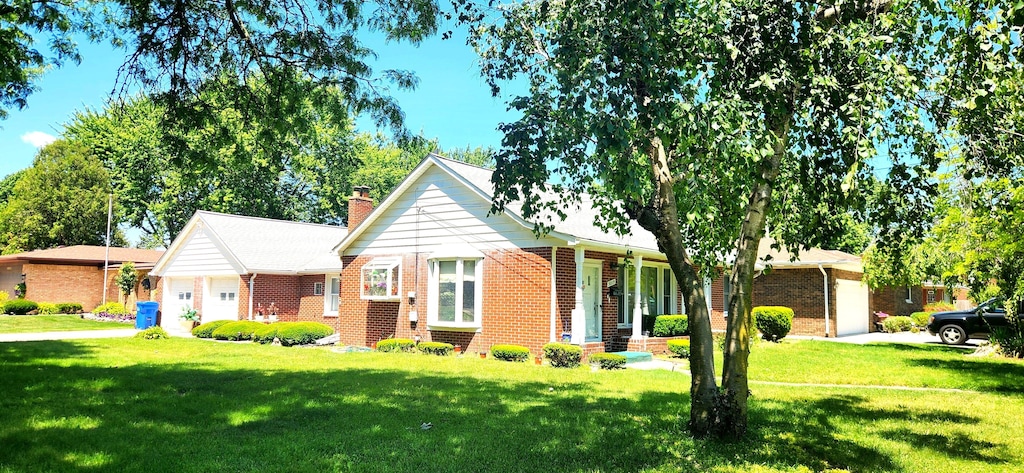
(179, 295)
(222, 301)
(851, 307)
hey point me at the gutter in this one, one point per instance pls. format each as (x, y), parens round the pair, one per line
(824, 276)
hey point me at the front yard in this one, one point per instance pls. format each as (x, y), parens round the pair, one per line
(54, 323)
(193, 405)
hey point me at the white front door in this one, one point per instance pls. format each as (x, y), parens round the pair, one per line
(592, 301)
(221, 303)
(177, 296)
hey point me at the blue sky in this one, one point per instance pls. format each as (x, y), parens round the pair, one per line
(452, 102)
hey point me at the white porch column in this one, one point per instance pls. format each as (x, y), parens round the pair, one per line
(579, 316)
(638, 316)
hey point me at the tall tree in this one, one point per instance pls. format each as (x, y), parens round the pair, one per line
(704, 121)
(61, 200)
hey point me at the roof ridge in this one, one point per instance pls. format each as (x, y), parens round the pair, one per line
(267, 219)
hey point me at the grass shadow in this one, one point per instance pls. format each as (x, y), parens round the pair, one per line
(987, 374)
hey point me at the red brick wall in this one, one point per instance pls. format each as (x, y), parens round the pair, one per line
(893, 300)
(358, 209)
(66, 283)
(801, 290)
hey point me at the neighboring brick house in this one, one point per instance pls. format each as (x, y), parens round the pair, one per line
(229, 267)
(75, 274)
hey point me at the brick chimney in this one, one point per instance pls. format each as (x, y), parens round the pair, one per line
(359, 206)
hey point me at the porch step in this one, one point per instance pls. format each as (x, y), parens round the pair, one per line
(635, 356)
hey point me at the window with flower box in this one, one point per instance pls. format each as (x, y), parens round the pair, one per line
(380, 280)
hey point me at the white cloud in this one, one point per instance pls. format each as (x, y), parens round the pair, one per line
(38, 138)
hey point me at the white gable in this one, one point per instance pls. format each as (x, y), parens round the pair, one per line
(437, 212)
(200, 255)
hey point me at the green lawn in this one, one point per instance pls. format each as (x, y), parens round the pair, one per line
(195, 405)
(53, 323)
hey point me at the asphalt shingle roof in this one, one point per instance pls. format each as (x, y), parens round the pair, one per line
(87, 254)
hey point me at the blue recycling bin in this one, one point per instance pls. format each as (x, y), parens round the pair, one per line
(145, 315)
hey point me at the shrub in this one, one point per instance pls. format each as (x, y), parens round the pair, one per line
(897, 323)
(1009, 340)
(19, 306)
(919, 319)
(774, 322)
(680, 348)
(152, 333)
(265, 334)
(112, 308)
(391, 345)
(939, 306)
(47, 308)
(236, 330)
(670, 325)
(69, 307)
(206, 330)
(301, 333)
(4, 296)
(437, 348)
(510, 352)
(608, 361)
(563, 355)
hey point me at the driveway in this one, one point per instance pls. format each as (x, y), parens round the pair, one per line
(882, 337)
(68, 335)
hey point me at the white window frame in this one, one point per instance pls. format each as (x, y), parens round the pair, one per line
(392, 280)
(910, 295)
(659, 291)
(433, 295)
(328, 288)
(318, 288)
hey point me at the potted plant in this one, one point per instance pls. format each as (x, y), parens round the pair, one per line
(189, 318)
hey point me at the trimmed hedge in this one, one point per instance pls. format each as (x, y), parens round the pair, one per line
(113, 308)
(391, 345)
(301, 333)
(19, 306)
(265, 334)
(206, 330)
(897, 323)
(774, 322)
(47, 308)
(938, 306)
(608, 361)
(508, 352)
(153, 333)
(236, 330)
(563, 355)
(680, 347)
(671, 325)
(69, 307)
(919, 319)
(436, 348)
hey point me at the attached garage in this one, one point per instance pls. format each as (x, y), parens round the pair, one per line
(852, 308)
(179, 293)
(221, 300)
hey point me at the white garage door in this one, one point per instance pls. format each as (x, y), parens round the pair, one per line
(851, 307)
(222, 301)
(178, 295)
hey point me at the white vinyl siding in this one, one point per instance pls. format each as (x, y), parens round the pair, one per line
(200, 256)
(437, 212)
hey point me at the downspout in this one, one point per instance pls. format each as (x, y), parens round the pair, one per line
(554, 293)
(824, 276)
(252, 282)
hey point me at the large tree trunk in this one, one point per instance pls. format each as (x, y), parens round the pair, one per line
(733, 410)
(663, 221)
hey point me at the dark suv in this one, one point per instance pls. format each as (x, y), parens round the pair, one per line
(955, 327)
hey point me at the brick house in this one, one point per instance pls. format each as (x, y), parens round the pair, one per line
(75, 274)
(230, 267)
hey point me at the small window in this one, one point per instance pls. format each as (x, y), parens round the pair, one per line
(910, 294)
(380, 280)
(184, 296)
(331, 299)
(223, 296)
(931, 296)
(318, 289)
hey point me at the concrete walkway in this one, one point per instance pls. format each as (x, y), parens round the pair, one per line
(68, 335)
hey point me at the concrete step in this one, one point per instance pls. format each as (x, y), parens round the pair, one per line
(635, 356)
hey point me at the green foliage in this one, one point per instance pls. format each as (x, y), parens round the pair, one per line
(897, 323)
(774, 322)
(4, 296)
(113, 308)
(919, 319)
(436, 348)
(153, 333)
(301, 333)
(206, 330)
(126, 278)
(608, 361)
(939, 307)
(391, 345)
(1009, 340)
(19, 306)
(47, 308)
(236, 330)
(506, 352)
(670, 325)
(69, 307)
(680, 347)
(189, 314)
(265, 334)
(563, 355)
(60, 201)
